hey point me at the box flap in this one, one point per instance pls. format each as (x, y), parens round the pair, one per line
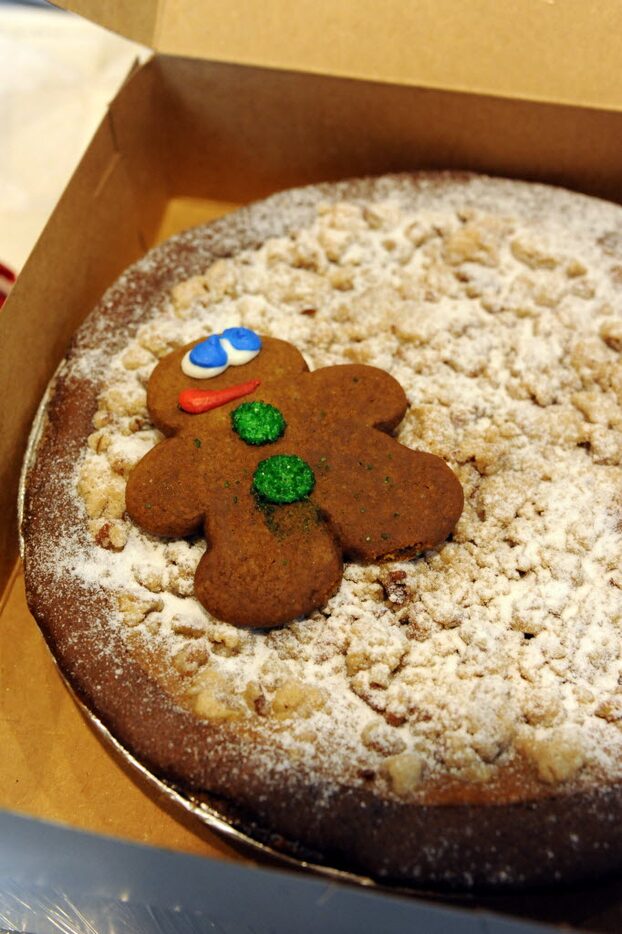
(133, 20)
(542, 50)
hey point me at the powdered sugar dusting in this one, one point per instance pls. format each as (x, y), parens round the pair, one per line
(496, 306)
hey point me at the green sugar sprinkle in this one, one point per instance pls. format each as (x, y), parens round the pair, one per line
(258, 422)
(197, 442)
(283, 478)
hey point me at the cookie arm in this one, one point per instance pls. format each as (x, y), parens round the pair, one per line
(382, 500)
(160, 498)
(364, 394)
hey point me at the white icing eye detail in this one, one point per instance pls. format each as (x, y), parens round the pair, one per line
(237, 357)
(200, 372)
(205, 360)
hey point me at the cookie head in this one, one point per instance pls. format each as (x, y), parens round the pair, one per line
(285, 472)
(235, 357)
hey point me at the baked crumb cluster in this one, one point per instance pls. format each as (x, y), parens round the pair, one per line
(506, 337)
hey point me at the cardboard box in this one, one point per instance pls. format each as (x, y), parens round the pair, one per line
(539, 50)
(186, 140)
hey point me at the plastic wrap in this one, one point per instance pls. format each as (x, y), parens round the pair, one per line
(53, 880)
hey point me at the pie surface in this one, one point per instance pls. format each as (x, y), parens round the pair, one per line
(436, 713)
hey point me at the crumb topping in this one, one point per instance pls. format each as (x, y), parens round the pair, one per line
(503, 326)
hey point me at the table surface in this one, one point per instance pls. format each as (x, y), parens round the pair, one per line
(57, 74)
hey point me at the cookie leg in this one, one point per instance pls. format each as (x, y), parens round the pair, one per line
(383, 500)
(267, 565)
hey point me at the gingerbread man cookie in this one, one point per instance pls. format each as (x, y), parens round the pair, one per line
(285, 472)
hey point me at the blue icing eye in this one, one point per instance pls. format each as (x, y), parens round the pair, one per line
(234, 347)
(210, 353)
(242, 338)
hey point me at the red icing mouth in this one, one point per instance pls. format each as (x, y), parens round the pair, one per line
(195, 401)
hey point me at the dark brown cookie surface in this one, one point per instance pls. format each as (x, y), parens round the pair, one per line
(269, 562)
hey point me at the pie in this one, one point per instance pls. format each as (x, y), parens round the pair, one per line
(436, 715)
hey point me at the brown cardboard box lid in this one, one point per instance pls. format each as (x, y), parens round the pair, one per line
(563, 51)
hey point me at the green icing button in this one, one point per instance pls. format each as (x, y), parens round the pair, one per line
(258, 422)
(283, 478)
